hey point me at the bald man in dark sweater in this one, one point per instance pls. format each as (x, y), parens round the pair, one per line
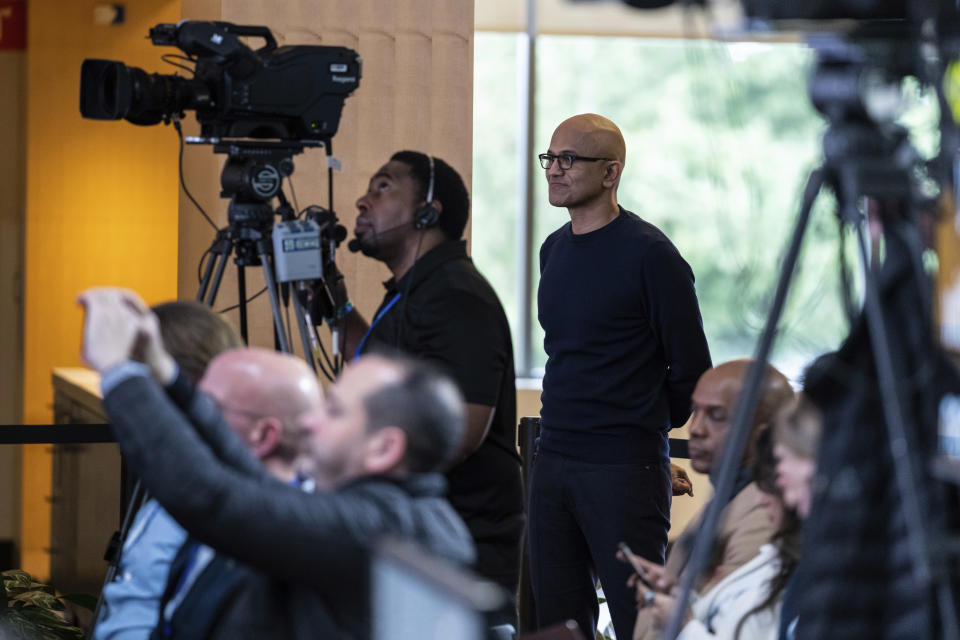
(625, 347)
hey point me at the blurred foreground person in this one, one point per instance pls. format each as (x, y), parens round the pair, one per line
(374, 448)
(260, 394)
(743, 604)
(797, 439)
(745, 526)
(193, 335)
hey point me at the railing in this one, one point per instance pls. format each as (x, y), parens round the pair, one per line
(55, 433)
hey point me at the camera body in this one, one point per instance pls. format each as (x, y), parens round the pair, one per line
(293, 93)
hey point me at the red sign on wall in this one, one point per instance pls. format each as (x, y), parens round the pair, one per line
(13, 24)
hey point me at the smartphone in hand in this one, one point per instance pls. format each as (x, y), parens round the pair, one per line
(632, 559)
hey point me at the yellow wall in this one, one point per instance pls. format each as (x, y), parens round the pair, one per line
(101, 209)
(13, 117)
(103, 196)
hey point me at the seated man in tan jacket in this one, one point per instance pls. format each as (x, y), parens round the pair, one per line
(744, 526)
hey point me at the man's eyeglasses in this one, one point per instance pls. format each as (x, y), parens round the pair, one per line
(566, 160)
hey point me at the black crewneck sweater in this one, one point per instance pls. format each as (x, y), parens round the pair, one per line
(624, 341)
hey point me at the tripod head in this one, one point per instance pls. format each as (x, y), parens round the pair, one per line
(251, 178)
(293, 251)
(857, 86)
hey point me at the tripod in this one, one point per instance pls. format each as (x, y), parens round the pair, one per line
(864, 159)
(251, 178)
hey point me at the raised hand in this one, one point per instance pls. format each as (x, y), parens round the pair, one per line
(112, 326)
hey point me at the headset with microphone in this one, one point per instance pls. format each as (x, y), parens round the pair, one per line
(424, 218)
(427, 215)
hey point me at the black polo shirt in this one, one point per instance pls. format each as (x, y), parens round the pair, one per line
(449, 315)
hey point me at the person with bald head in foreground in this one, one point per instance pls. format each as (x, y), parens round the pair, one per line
(375, 449)
(625, 347)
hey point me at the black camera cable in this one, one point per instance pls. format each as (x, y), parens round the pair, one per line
(176, 125)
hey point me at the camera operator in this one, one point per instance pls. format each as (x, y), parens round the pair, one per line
(373, 446)
(438, 307)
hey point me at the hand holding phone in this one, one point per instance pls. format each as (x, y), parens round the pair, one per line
(633, 559)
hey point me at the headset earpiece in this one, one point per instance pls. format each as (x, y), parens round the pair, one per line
(427, 215)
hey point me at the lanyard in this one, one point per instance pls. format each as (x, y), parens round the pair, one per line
(376, 319)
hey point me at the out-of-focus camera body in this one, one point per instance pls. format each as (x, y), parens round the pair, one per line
(293, 93)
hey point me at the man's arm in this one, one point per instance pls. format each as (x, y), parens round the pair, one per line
(479, 419)
(448, 350)
(352, 328)
(202, 413)
(331, 306)
(465, 341)
(217, 434)
(674, 313)
(200, 409)
(271, 526)
(262, 522)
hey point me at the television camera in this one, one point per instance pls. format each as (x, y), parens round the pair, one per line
(260, 108)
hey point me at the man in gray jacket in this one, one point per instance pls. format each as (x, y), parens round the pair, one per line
(373, 449)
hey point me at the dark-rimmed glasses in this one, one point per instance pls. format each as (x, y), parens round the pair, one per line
(566, 160)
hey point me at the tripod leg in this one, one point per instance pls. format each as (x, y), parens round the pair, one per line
(304, 328)
(902, 444)
(242, 301)
(205, 281)
(219, 275)
(220, 246)
(219, 250)
(281, 331)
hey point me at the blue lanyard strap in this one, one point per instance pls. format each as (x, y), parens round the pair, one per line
(376, 319)
(192, 553)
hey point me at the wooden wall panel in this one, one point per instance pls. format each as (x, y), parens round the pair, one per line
(416, 93)
(101, 208)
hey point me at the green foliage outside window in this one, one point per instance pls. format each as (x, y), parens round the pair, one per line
(720, 140)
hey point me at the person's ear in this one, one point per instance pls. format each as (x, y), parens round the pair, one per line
(611, 173)
(264, 437)
(385, 450)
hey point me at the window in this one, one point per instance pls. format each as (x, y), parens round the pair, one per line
(720, 139)
(498, 172)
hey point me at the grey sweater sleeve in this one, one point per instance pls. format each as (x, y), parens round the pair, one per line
(267, 524)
